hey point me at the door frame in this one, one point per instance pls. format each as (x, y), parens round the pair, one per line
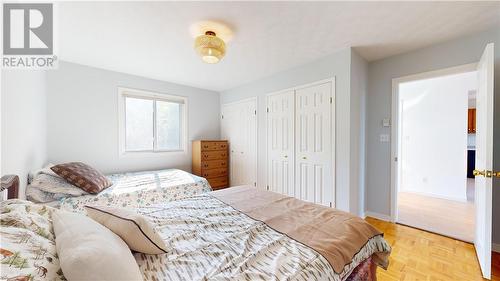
(251, 99)
(395, 129)
(333, 128)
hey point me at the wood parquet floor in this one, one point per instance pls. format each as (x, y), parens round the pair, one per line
(421, 255)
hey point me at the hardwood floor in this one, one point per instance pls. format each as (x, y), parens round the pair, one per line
(433, 214)
(421, 255)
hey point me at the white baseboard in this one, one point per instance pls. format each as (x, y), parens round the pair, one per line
(458, 199)
(377, 216)
(495, 247)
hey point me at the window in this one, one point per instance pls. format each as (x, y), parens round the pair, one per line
(151, 122)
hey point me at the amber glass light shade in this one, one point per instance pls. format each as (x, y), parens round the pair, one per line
(210, 47)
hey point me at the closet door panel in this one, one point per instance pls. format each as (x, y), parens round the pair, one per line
(313, 148)
(248, 142)
(239, 127)
(280, 151)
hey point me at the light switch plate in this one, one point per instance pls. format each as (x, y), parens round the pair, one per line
(384, 138)
(386, 122)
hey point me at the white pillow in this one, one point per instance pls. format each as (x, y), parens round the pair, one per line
(90, 251)
(133, 228)
(55, 184)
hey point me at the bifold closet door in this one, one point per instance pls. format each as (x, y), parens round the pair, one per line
(280, 142)
(313, 144)
(239, 127)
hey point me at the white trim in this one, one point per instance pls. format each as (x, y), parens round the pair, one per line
(323, 81)
(377, 216)
(333, 136)
(333, 127)
(240, 101)
(495, 247)
(138, 93)
(450, 198)
(395, 121)
(124, 92)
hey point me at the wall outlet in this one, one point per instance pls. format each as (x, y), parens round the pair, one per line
(384, 138)
(386, 122)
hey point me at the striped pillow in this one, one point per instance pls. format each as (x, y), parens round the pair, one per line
(83, 176)
(133, 228)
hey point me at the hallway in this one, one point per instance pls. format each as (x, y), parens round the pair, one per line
(447, 217)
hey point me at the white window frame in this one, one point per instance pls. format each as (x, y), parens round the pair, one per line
(123, 93)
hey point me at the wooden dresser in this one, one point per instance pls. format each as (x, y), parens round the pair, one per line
(211, 161)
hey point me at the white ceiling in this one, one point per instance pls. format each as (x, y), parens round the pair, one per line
(152, 39)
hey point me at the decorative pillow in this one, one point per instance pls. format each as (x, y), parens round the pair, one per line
(55, 184)
(83, 176)
(89, 251)
(133, 228)
(39, 196)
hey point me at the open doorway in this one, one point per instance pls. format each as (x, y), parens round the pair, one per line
(436, 143)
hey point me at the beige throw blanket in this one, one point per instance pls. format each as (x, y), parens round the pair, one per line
(338, 236)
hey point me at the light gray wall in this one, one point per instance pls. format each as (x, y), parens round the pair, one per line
(380, 74)
(24, 121)
(338, 65)
(82, 120)
(359, 83)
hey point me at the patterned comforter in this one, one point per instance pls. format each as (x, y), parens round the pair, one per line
(209, 240)
(133, 190)
(27, 243)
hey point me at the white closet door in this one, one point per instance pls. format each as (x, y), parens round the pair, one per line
(313, 144)
(239, 127)
(280, 142)
(230, 132)
(248, 143)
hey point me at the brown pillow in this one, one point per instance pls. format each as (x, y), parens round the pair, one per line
(82, 176)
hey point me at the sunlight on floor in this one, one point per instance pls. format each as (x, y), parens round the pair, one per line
(451, 218)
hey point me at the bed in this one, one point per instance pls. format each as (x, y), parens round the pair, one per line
(128, 189)
(240, 233)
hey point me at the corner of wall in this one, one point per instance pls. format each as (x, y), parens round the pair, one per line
(358, 87)
(24, 123)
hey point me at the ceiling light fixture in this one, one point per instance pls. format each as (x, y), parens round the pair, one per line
(210, 47)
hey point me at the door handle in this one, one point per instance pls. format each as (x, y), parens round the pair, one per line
(486, 173)
(303, 157)
(479, 173)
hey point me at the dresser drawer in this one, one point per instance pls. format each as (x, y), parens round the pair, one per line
(217, 183)
(213, 173)
(213, 164)
(213, 145)
(213, 155)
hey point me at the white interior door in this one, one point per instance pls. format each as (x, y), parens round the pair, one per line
(247, 147)
(230, 132)
(239, 127)
(280, 143)
(313, 144)
(484, 159)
